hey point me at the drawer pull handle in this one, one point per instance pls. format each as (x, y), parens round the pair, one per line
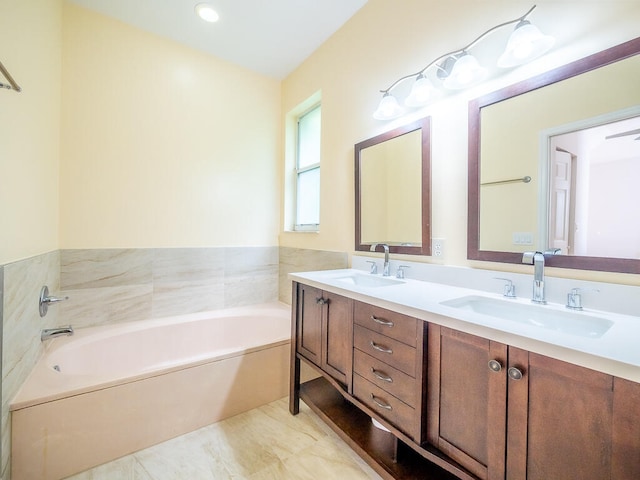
(375, 400)
(381, 375)
(386, 323)
(380, 349)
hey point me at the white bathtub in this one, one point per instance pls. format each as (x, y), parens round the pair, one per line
(109, 391)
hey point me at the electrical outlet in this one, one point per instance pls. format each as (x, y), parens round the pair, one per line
(437, 247)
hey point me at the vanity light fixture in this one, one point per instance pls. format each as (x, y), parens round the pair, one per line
(207, 13)
(459, 69)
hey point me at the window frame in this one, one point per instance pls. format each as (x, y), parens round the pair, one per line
(305, 227)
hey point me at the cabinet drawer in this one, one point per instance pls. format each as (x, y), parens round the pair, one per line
(388, 350)
(386, 322)
(386, 405)
(386, 377)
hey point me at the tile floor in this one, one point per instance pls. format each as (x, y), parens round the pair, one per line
(264, 443)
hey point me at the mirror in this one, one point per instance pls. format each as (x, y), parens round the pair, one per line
(393, 203)
(523, 136)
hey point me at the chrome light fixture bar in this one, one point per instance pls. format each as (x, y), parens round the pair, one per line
(459, 69)
(12, 85)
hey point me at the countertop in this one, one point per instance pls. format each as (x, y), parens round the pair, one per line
(617, 352)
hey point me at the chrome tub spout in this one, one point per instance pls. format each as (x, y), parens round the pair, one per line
(48, 333)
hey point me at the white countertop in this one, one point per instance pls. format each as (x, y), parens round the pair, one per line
(617, 352)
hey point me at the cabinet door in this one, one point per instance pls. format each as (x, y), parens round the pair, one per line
(337, 335)
(626, 430)
(467, 400)
(560, 420)
(309, 318)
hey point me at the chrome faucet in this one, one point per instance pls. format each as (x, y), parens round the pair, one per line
(537, 260)
(385, 269)
(48, 333)
(46, 300)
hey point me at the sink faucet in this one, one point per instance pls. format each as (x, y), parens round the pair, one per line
(537, 260)
(48, 333)
(385, 269)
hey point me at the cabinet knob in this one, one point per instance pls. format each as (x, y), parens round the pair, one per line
(495, 365)
(322, 301)
(514, 373)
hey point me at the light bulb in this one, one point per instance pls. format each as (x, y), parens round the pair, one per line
(525, 44)
(207, 13)
(465, 72)
(388, 108)
(421, 92)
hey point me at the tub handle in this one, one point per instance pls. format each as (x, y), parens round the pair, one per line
(46, 300)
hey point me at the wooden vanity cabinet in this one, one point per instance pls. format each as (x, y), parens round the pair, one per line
(503, 412)
(325, 331)
(459, 406)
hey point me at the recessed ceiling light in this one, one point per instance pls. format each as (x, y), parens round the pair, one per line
(207, 13)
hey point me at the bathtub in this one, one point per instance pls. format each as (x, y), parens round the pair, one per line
(111, 390)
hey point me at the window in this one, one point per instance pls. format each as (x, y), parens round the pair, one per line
(307, 217)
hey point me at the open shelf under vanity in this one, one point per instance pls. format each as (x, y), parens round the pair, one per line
(385, 453)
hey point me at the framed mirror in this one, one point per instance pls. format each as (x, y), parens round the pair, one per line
(532, 184)
(393, 194)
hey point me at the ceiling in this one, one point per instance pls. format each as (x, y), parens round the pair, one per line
(269, 37)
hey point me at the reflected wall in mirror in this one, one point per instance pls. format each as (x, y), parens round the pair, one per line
(392, 174)
(531, 129)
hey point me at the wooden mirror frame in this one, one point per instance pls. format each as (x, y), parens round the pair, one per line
(424, 125)
(592, 62)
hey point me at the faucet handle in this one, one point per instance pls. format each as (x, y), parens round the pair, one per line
(374, 267)
(400, 271)
(509, 288)
(574, 298)
(528, 257)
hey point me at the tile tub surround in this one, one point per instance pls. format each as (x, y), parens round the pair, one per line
(117, 285)
(305, 260)
(21, 346)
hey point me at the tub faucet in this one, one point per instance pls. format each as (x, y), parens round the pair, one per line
(385, 269)
(48, 333)
(537, 260)
(46, 300)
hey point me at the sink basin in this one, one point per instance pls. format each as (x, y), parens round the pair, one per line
(577, 324)
(368, 280)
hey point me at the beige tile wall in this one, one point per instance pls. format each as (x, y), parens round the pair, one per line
(22, 324)
(118, 285)
(305, 260)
